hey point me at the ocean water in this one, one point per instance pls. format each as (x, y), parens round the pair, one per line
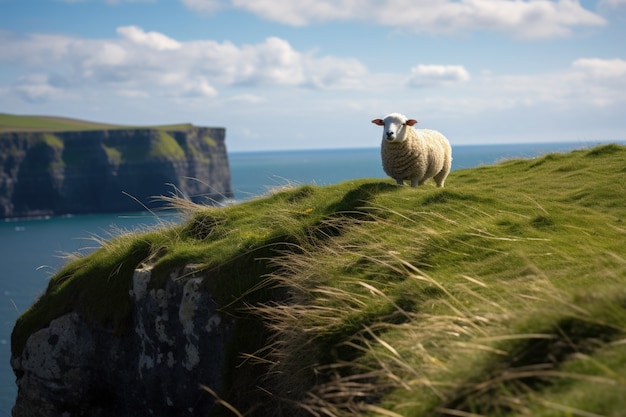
(33, 250)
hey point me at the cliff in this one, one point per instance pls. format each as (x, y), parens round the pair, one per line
(92, 171)
(502, 294)
(175, 343)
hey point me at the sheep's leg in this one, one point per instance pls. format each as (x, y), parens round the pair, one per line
(415, 182)
(440, 178)
(399, 181)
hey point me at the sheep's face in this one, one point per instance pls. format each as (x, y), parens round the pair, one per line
(395, 127)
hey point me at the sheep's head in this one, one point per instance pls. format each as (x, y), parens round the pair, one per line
(395, 126)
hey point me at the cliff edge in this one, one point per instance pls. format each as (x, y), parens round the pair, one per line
(502, 294)
(109, 170)
(175, 344)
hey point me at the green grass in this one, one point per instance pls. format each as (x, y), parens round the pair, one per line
(11, 123)
(166, 147)
(20, 123)
(114, 155)
(53, 141)
(503, 294)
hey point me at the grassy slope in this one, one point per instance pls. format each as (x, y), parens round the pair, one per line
(502, 294)
(18, 123)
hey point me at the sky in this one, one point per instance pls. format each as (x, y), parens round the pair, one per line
(312, 74)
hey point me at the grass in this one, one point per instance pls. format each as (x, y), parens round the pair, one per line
(114, 155)
(503, 294)
(166, 147)
(13, 123)
(53, 141)
(22, 123)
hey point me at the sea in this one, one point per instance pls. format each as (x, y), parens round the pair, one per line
(32, 250)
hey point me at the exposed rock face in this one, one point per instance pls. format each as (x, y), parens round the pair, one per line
(176, 342)
(98, 171)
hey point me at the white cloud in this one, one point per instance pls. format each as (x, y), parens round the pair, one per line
(153, 62)
(36, 49)
(602, 69)
(588, 86)
(135, 94)
(589, 83)
(601, 81)
(437, 75)
(334, 73)
(271, 62)
(153, 40)
(303, 12)
(523, 19)
(198, 88)
(36, 88)
(248, 98)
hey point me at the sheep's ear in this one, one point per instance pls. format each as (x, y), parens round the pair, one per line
(411, 122)
(379, 122)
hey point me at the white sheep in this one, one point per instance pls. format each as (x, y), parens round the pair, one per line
(413, 154)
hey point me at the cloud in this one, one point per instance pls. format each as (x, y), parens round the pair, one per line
(272, 62)
(35, 50)
(334, 73)
(612, 4)
(153, 40)
(588, 83)
(139, 60)
(36, 88)
(588, 86)
(601, 81)
(437, 75)
(602, 69)
(523, 19)
(129, 1)
(203, 6)
(303, 12)
(108, 1)
(248, 99)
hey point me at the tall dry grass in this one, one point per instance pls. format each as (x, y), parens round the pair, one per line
(465, 346)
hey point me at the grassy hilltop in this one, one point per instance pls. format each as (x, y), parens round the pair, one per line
(20, 123)
(503, 294)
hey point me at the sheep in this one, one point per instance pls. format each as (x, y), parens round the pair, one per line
(413, 154)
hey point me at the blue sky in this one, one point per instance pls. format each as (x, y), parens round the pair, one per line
(285, 74)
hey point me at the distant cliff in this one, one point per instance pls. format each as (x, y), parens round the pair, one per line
(111, 170)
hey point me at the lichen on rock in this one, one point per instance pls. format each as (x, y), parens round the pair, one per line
(77, 368)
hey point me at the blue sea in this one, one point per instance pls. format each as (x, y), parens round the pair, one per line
(32, 250)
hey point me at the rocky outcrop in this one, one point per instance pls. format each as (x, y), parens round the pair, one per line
(110, 170)
(175, 344)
